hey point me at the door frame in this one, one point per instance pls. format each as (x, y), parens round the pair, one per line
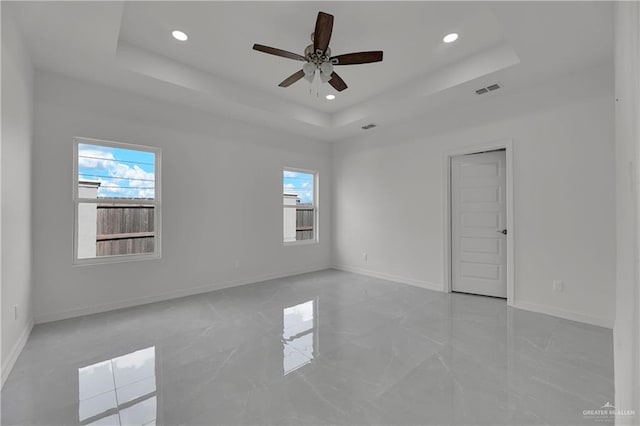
(507, 145)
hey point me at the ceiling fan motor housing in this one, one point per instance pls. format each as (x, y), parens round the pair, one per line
(317, 60)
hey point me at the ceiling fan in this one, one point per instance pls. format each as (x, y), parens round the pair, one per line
(318, 59)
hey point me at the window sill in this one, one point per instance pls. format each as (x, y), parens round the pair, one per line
(300, 243)
(115, 259)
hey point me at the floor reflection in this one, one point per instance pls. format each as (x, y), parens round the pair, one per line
(299, 334)
(390, 354)
(119, 391)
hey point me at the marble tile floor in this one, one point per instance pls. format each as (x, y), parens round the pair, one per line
(323, 348)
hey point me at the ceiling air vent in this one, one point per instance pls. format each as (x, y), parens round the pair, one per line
(488, 89)
(368, 126)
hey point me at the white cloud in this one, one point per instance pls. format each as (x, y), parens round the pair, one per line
(117, 179)
(299, 183)
(306, 196)
(95, 159)
(128, 181)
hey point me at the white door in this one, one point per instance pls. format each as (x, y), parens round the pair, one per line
(478, 224)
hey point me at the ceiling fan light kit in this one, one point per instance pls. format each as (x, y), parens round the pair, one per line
(319, 64)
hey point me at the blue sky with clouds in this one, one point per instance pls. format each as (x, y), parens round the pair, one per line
(126, 173)
(300, 184)
(122, 173)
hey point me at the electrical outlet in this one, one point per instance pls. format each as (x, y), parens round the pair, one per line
(15, 312)
(558, 286)
(364, 256)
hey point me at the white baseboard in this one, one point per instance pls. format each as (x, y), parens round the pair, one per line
(399, 279)
(561, 313)
(94, 309)
(56, 316)
(527, 306)
(7, 364)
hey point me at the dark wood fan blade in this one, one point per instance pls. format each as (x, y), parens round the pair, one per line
(359, 58)
(292, 79)
(337, 82)
(278, 52)
(322, 34)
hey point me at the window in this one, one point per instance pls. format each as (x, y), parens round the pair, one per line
(299, 200)
(116, 201)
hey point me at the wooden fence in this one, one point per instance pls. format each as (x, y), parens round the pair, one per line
(125, 229)
(129, 229)
(304, 223)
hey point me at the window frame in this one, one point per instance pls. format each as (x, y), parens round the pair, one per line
(156, 203)
(316, 204)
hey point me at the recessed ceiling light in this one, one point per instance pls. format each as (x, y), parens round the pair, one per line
(450, 38)
(179, 35)
(330, 97)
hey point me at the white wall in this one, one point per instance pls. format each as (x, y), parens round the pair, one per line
(17, 119)
(389, 193)
(289, 218)
(627, 92)
(221, 194)
(87, 221)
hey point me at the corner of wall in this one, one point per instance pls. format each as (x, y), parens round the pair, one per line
(16, 182)
(16, 350)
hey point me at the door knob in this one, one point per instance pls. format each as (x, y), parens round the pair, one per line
(503, 231)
